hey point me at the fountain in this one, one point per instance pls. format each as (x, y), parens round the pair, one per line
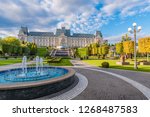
(41, 66)
(25, 82)
(37, 64)
(24, 67)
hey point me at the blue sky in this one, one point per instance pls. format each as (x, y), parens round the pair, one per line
(112, 17)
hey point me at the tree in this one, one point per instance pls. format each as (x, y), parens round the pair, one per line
(104, 50)
(10, 45)
(32, 47)
(128, 47)
(82, 52)
(94, 48)
(6, 48)
(126, 38)
(119, 48)
(144, 46)
(19, 51)
(15, 50)
(1, 47)
(100, 50)
(13, 46)
(12, 41)
(25, 50)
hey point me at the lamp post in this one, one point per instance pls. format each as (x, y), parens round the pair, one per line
(135, 31)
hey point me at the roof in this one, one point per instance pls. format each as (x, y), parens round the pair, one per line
(83, 35)
(63, 30)
(46, 34)
(24, 30)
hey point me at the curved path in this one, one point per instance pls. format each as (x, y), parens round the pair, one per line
(104, 84)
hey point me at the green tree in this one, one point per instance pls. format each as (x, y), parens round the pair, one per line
(19, 51)
(119, 48)
(126, 38)
(1, 51)
(105, 50)
(33, 49)
(82, 52)
(12, 41)
(25, 50)
(94, 48)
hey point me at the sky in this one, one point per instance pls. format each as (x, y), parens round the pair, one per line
(111, 17)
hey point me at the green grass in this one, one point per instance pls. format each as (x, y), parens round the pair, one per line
(10, 61)
(41, 51)
(113, 64)
(63, 62)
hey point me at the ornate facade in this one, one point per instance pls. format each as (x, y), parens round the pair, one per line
(62, 37)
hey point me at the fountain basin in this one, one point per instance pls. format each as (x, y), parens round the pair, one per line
(27, 88)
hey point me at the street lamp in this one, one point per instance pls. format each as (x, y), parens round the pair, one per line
(134, 31)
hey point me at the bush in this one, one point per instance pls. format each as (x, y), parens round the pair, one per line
(105, 65)
(48, 57)
(54, 60)
(32, 58)
(6, 57)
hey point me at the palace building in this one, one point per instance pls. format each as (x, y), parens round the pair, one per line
(62, 38)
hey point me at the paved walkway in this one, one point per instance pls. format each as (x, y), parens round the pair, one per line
(113, 84)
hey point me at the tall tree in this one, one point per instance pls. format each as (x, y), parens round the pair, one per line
(128, 48)
(144, 46)
(105, 50)
(119, 48)
(12, 41)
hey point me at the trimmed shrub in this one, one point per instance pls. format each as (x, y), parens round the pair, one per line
(105, 65)
(6, 57)
(54, 60)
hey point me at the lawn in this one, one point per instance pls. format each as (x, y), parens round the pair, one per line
(63, 62)
(112, 64)
(10, 61)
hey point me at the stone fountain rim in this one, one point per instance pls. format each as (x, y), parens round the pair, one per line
(21, 85)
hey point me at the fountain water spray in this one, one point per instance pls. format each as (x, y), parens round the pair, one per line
(24, 68)
(41, 65)
(37, 64)
(24, 65)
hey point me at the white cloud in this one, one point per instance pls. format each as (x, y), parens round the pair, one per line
(10, 10)
(80, 15)
(7, 32)
(125, 8)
